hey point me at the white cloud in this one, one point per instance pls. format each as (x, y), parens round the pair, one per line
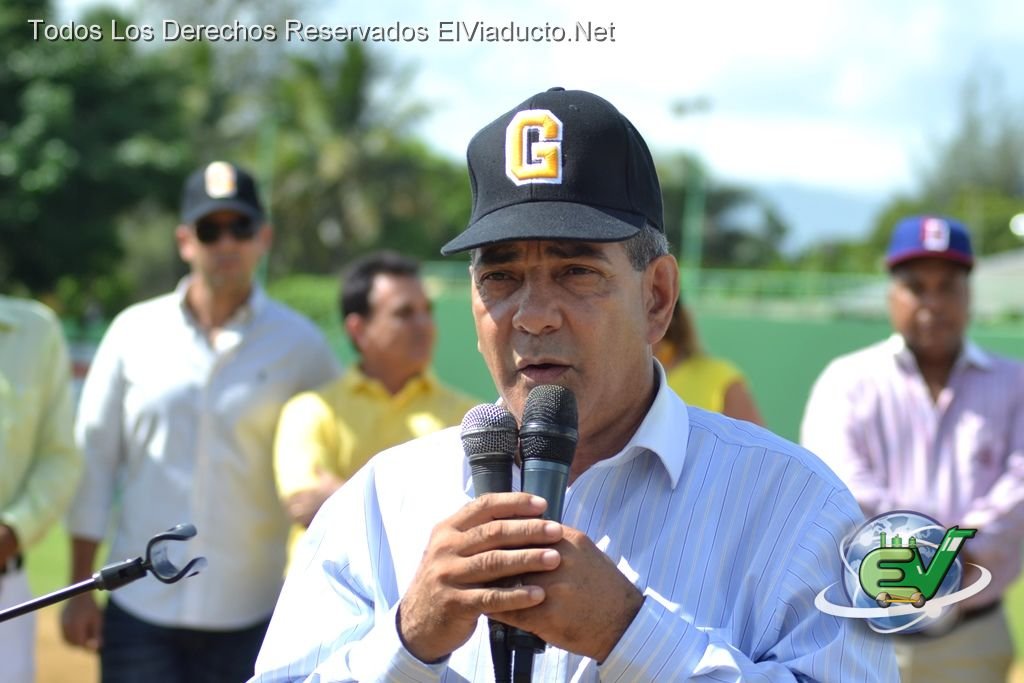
(840, 93)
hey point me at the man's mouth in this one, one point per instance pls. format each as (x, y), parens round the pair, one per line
(542, 373)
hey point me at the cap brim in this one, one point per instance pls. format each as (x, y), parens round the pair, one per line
(551, 220)
(921, 254)
(214, 205)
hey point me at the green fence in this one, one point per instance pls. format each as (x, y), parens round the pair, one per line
(780, 345)
(780, 328)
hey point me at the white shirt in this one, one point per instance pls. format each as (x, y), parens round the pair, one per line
(728, 530)
(176, 430)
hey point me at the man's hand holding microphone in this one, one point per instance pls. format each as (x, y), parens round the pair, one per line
(506, 555)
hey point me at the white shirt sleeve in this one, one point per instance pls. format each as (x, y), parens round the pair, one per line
(830, 429)
(98, 432)
(356, 635)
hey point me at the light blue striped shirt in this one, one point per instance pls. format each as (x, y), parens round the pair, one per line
(729, 531)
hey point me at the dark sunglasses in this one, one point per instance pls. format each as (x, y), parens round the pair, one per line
(209, 231)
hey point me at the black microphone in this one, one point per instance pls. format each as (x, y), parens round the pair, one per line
(489, 439)
(547, 444)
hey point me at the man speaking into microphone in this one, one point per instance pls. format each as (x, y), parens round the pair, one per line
(691, 546)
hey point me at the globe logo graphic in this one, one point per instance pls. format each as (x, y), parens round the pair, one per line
(897, 528)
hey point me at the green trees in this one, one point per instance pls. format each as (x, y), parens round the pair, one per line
(975, 175)
(348, 174)
(88, 130)
(740, 229)
(96, 137)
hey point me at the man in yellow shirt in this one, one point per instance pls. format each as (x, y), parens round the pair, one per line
(390, 396)
(39, 463)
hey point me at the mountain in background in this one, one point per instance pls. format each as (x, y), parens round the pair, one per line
(815, 214)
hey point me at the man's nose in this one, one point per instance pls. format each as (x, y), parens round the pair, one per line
(538, 310)
(424, 319)
(929, 303)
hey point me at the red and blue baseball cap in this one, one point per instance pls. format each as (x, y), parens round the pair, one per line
(935, 237)
(563, 165)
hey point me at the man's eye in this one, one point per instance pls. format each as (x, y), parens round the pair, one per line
(579, 270)
(494, 276)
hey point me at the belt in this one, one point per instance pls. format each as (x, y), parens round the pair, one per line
(13, 564)
(964, 617)
(972, 614)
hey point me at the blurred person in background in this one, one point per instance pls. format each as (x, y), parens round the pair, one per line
(700, 379)
(928, 421)
(176, 422)
(39, 463)
(388, 397)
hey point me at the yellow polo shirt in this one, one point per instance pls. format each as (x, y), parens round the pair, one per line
(39, 463)
(341, 425)
(702, 381)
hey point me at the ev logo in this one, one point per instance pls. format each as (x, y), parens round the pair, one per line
(902, 587)
(897, 574)
(533, 148)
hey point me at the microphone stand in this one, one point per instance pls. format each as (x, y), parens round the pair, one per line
(501, 653)
(522, 671)
(117, 574)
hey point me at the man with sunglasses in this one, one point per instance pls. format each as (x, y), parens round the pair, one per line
(176, 423)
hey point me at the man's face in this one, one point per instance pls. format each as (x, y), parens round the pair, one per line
(570, 313)
(929, 303)
(399, 330)
(221, 250)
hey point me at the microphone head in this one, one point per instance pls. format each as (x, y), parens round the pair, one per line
(550, 422)
(489, 438)
(489, 428)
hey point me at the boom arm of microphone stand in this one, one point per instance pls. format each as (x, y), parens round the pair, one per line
(113, 576)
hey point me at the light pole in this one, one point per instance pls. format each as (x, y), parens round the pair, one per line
(691, 247)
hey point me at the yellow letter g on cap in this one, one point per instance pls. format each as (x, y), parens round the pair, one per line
(534, 160)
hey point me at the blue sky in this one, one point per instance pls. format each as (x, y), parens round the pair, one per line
(843, 100)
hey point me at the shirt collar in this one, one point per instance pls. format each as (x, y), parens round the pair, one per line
(664, 431)
(976, 356)
(356, 380)
(971, 354)
(253, 306)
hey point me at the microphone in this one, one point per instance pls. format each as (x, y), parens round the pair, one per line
(489, 439)
(547, 444)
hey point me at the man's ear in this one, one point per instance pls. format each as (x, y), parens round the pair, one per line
(266, 236)
(661, 289)
(185, 238)
(355, 326)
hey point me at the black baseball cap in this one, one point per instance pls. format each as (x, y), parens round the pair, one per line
(563, 165)
(220, 186)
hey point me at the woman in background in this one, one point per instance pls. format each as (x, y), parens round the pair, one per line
(700, 379)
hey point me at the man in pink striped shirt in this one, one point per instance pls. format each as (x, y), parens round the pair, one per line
(928, 421)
